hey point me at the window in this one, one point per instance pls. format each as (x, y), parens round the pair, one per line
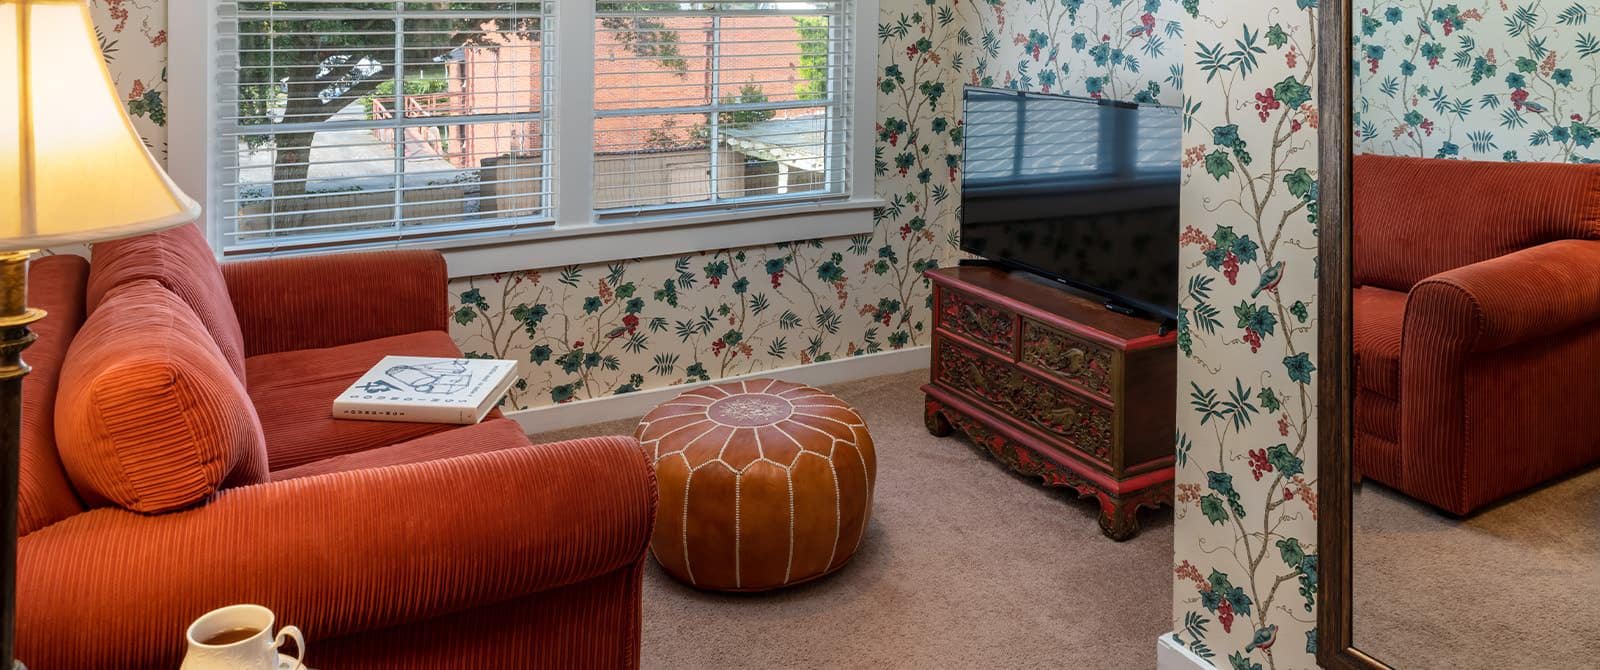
(350, 121)
(717, 102)
(355, 123)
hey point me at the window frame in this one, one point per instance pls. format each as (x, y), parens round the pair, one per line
(579, 234)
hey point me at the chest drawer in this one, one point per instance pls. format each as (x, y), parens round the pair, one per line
(978, 320)
(1081, 423)
(1069, 358)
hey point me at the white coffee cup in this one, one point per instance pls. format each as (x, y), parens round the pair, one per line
(259, 651)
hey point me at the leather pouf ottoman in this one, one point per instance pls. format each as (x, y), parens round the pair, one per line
(763, 484)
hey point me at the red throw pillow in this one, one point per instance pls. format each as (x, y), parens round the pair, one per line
(150, 417)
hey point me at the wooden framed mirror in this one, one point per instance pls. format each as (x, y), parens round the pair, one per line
(1335, 621)
(1459, 350)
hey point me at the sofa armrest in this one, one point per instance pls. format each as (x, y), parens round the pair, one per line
(1456, 318)
(1515, 298)
(309, 302)
(335, 554)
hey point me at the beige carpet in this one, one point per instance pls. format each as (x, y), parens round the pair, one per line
(964, 566)
(1515, 586)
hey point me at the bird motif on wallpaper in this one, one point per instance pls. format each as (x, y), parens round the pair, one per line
(1263, 639)
(1269, 279)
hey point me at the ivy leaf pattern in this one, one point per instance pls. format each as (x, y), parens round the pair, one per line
(1212, 506)
(1284, 460)
(1299, 367)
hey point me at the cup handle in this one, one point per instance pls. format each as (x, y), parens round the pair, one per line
(292, 633)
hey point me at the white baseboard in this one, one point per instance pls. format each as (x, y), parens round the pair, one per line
(632, 405)
(1173, 656)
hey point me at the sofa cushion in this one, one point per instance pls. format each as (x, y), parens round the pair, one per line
(182, 262)
(491, 435)
(294, 391)
(1418, 217)
(1376, 458)
(1378, 316)
(44, 496)
(149, 416)
(1377, 415)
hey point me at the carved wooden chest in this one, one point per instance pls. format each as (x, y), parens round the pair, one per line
(1056, 386)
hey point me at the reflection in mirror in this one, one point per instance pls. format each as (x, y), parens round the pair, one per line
(1476, 347)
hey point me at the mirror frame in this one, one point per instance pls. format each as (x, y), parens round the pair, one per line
(1335, 646)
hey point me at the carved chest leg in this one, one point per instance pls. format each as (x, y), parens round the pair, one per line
(1118, 520)
(1119, 515)
(933, 417)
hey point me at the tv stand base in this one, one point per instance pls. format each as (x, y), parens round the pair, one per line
(1055, 386)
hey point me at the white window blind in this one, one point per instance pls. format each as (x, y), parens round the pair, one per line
(346, 122)
(719, 104)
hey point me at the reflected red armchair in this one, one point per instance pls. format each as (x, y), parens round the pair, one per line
(1477, 326)
(390, 545)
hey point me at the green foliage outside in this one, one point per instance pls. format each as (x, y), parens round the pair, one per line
(749, 94)
(813, 57)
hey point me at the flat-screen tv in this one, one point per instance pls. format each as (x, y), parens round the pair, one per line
(1078, 190)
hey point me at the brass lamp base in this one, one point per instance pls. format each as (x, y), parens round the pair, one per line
(15, 314)
(15, 317)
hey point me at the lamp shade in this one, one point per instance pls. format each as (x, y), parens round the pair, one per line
(72, 168)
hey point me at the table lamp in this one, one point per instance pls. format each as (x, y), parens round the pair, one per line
(72, 171)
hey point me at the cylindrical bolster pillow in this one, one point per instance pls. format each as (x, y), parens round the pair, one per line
(150, 417)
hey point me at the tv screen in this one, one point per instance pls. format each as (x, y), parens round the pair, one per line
(1080, 190)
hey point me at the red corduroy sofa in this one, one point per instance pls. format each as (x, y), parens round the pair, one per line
(1476, 326)
(390, 545)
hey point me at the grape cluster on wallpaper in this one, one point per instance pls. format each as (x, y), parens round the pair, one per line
(1482, 79)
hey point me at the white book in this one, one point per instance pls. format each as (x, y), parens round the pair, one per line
(427, 390)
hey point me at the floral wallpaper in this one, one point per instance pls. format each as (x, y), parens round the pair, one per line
(1116, 49)
(133, 35)
(1245, 561)
(1478, 79)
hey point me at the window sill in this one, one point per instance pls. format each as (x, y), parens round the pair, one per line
(470, 254)
(644, 237)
